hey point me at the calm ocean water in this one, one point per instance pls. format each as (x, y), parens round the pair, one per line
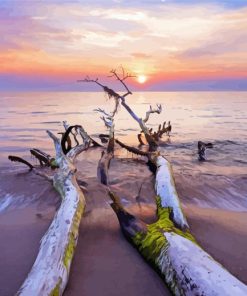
(218, 117)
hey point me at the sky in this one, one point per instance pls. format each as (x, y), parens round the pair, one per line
(175, 44)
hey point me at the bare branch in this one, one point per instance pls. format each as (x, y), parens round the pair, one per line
(58, 147)
(72, 154)
(74, 134)
(87, 79)
(86, 138)
(65, 125)
(132, 149)
(31, 167)
(124, 77)
(103, 111)
(151, 110)
(112, 94)
(66, 141)
(21, 160)
(107, 121)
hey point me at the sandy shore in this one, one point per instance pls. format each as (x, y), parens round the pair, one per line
(223, 234)
(105, 263)
(20, 232)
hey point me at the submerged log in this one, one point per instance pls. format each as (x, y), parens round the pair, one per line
(202, 150)
(169, 246)
(50, 272)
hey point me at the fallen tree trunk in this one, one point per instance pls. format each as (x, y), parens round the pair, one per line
(169, 246)
(50, 272)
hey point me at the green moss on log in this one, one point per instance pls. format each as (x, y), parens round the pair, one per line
(153, 241)
(70, 249)
(56, 290)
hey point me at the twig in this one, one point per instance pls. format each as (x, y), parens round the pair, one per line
(151, 110)
(124, 77)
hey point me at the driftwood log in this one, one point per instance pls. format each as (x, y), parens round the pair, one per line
(50, 272)
(169, 246)
(168, 243)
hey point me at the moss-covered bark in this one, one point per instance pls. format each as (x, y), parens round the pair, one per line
(171, 249)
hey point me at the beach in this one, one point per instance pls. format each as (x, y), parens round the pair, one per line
(104, 261)
(213, 196)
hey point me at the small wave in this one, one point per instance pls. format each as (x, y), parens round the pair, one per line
(128, 129)
(240, 161)
(227, 142)
(5, 202)
(27, 129)
(39, 112)
(20, 139)
(75, 113)
(214, 116)
(50, 122)
(13, 149)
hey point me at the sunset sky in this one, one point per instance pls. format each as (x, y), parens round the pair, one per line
(175, 44)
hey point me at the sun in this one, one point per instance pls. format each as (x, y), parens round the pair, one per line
(141, 78)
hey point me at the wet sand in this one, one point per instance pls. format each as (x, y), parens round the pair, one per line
(26, 215)
(20, 233)
(223, 234)
(105, 263)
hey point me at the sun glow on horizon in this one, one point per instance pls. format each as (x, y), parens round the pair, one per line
(141, 79)
(160, 41)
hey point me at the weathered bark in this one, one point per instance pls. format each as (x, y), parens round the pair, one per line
(104, 163)
(50, 272)
(106, 156)
(169, 246)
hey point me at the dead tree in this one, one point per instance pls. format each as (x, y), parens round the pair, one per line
(50, 272)
(168, 244)
(121, 99)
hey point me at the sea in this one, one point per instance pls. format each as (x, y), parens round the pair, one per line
(216, 117)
